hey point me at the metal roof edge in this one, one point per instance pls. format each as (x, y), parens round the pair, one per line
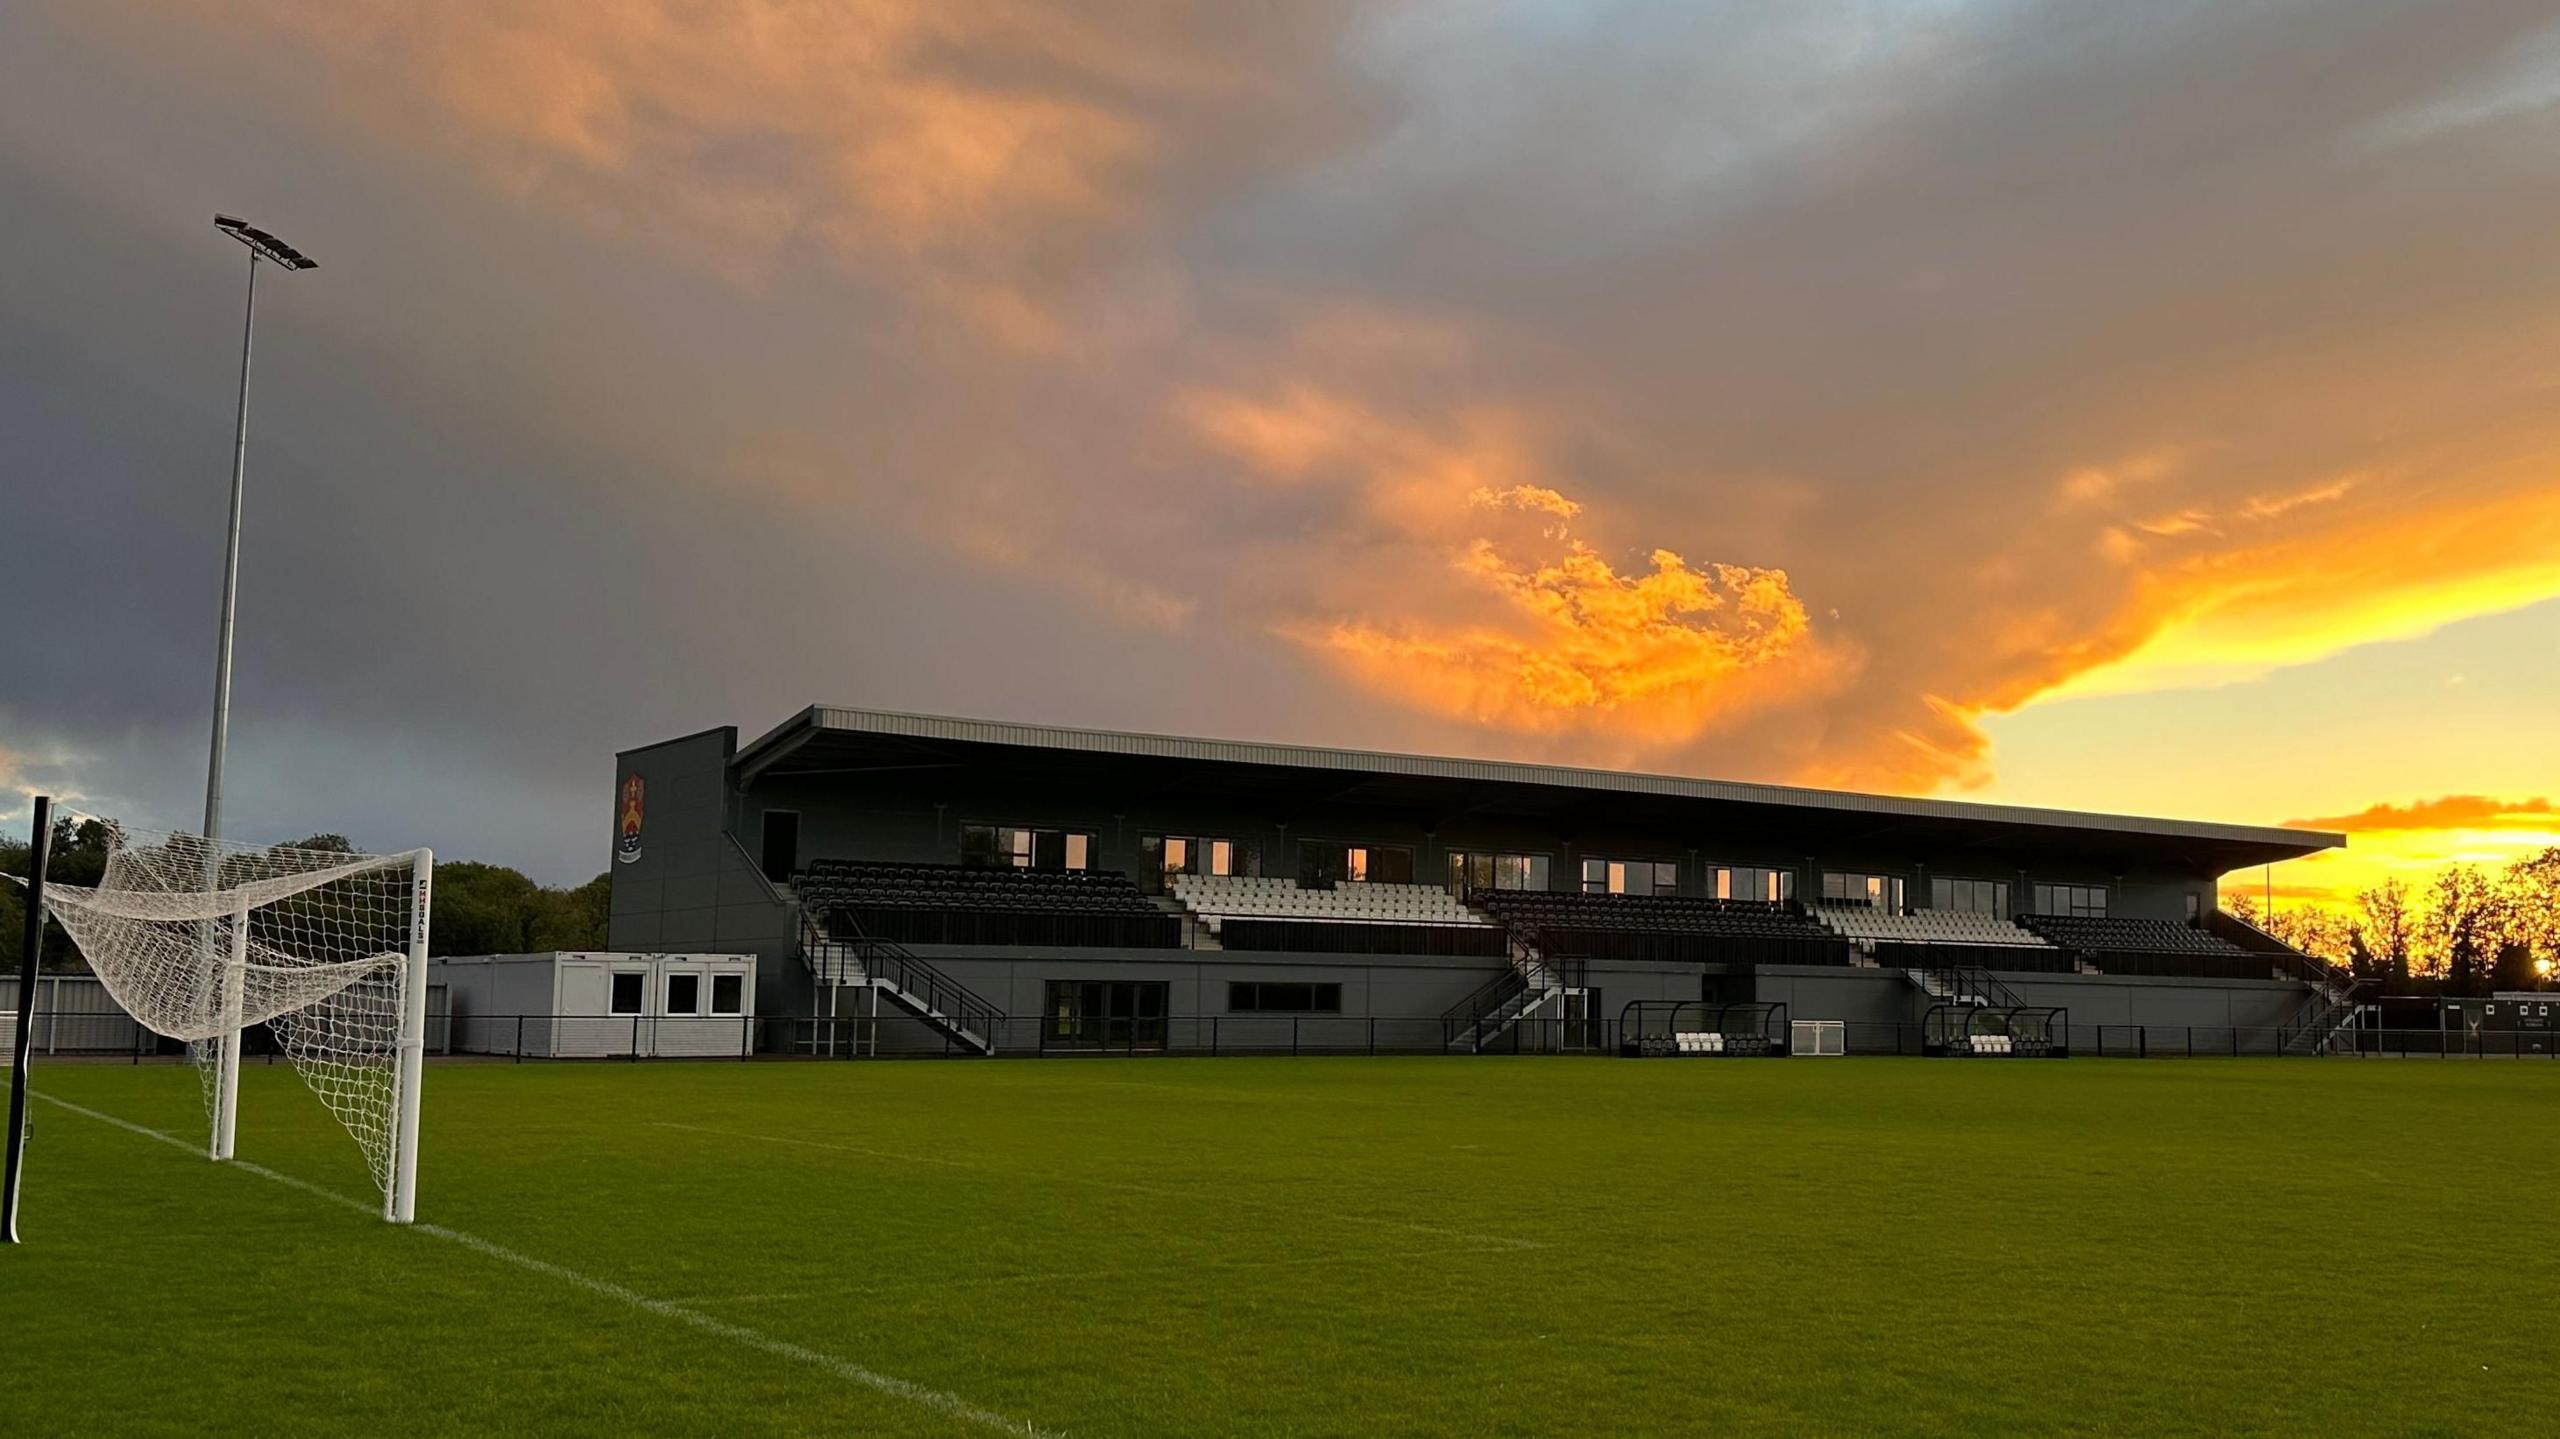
(1098, 741)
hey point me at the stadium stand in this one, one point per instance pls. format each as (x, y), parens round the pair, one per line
(1940, 939)
(1664, 927)
(1217, 896)
(1247, 912)
(961, 904)
(1868, 924)
(2150, 947)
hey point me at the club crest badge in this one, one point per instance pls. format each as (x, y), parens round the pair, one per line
(627, 848)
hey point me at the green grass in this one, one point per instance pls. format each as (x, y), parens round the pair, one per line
(1521, 1247)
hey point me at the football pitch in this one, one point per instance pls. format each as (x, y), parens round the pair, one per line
(1311, 1247)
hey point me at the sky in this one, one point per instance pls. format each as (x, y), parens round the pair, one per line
(2139, 408)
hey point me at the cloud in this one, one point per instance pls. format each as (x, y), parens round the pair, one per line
(1771, 393)
(2451, 812)
(973, 153)
(1457, 587)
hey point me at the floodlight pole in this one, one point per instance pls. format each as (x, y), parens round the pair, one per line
(230, 572)
(38, 851)
(261, 246)
(226, 1085)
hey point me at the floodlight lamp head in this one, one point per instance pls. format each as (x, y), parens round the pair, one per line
(263, 245)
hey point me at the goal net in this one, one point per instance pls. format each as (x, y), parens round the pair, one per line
(201, 940)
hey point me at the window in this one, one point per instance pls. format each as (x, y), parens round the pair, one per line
(1104, 1014)
(2195, 908)
(728, 994)
(1884, 891)
(781, 844)
(1263, 997)
(1172, 854)
(1762, 883)
(2084, 901)
(1630, 876)
(1323, 862)
(1475, 869)
(630, 992)
(684, 994)
(995, 846)
(1969, 896)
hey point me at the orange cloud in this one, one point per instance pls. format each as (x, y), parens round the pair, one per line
(1527, 628)
(2456, 811)
(974, 150)
(1663, 655)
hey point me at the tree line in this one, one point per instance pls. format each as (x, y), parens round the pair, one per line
(476, 908)
(2471, 930)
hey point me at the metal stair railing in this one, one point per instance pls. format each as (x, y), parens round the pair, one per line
(2339, 999)
(936, 997)
(1965, 983)
(1502, 1001)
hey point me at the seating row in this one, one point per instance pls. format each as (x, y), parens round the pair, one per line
(1926, 926)
(2128, 936)
(1216, 896)
(878, 885)
(1648, 914)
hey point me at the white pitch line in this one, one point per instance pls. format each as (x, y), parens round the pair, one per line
(1115, 1274)
(1501, 1241)
(940, 1401)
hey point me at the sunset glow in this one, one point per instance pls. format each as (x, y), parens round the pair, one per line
(1808, 417)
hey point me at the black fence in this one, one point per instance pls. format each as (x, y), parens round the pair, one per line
(108, 1033)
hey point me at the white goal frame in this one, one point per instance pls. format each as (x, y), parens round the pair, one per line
(400, 1197)
(201, 940)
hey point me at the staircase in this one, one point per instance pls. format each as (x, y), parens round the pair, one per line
(1196, 932)
(888, 970)
(2338, 995)
(1532, 983)
(1962, 984)
(2337, 1000)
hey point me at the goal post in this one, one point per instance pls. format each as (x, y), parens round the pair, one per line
(226, 1082)
(204, 941)
(401, 1200)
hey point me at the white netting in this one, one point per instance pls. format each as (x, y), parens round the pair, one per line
(199, 940)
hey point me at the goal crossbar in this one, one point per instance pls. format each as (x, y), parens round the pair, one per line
(202, 940)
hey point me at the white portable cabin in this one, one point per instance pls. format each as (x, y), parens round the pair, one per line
(596, 1004)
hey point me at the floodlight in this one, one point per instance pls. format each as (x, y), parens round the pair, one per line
(264, 245)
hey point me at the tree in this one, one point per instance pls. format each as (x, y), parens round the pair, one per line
(78, 856)
(2463, 927)
(2387, 930)
(2315, 930)
(574, 918)
(2533, 904)
(490, 909)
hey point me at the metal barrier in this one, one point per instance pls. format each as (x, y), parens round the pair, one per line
(107, 1033)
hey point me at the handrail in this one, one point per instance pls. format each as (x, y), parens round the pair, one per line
(1466, 1018)
(2319, 1022)
(888, 960)
(1966, 978)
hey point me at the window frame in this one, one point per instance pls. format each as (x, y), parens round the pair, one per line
(739, 983)
(1359, 860)
(1535, 870)
(1318, 990)
(1890, 893)
(1018, 846)
(1781, 878)
(1617, 876)
(2044, 894)
(1942, 886)
(667, 994)
(613, 993)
